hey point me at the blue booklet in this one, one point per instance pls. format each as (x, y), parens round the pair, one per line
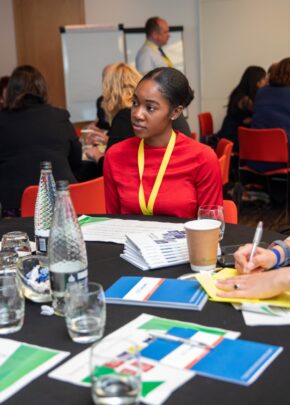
(237, 361)
(157, 292)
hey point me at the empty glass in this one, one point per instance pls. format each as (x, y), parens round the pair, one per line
(16, 241)
(85, 312)
(8, 263)
(11, 304)
(115, 372)
(213, 212)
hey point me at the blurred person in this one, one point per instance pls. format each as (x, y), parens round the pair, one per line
(32, 131)
(240, 106)
(272, 107)
(3, 90)
(151, 54)
(183, 173)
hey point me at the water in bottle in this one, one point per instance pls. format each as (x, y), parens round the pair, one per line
(44, 208)
(67, 251)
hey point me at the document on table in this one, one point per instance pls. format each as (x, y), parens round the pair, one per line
(259, 314)
(21, 363)
(158, 380)
(102, 229)
(208, 283)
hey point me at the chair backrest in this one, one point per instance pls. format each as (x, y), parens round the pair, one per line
(225, 148)
(194, 135)
(87, 197)
(205, 124)
(266, 145)
(28, 201)
(223, 167)
(230, 212)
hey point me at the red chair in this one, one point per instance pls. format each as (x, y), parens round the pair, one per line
(230, 212)
(205, 124)
(88, 198)
(225, 148)
(264, 145)
(194, 136)
(223, 167)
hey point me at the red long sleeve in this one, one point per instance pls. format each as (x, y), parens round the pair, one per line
(192, 178)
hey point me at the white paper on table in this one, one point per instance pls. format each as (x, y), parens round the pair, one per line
(76, 370)
(256, 314)
(10, 360)
(114, 230)
(256, 319)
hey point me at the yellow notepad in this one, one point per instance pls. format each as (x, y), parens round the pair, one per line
(208, 283)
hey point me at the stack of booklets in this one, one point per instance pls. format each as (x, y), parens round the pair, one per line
(153, 250)
(157, 292)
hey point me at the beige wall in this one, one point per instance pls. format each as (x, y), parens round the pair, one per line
(7, 38)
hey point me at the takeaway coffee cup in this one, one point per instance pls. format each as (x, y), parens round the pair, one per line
(202, 240)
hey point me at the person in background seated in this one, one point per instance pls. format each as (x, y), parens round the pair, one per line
(119, 83)
(259, 283)
(160, 171)
(151, 54)
(240, 106)
(272, 107)
(32, 131)
(3, 90)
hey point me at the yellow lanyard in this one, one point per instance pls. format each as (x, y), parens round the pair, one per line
(165, 57)
(148, 209)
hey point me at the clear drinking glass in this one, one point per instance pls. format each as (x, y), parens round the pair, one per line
(16, 241)
(8, 263)
(11, 304)
(213, 212)
(115, 372)
(85, 312)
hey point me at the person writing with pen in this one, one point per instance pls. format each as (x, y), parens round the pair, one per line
(266, 275)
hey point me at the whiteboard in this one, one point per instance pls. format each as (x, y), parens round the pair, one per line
(86, 51)
(135, 38)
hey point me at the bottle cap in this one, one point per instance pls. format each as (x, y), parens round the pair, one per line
(45, 166)
(62, 185)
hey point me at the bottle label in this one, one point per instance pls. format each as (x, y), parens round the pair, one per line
(59, 281)
(41, 244)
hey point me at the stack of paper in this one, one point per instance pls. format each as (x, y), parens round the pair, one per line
(153, 250)
(157, 292)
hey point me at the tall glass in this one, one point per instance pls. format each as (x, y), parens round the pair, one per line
(11, 304)
(115, 372)
(213, 212)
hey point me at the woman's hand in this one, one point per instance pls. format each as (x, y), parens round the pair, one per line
(258, 285)
(95, 136)
(94, 153)
(263, 259)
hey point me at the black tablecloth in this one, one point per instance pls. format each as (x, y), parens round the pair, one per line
(105, 266)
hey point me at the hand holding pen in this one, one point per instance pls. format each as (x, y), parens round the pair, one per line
(251, 257)
(256, 240)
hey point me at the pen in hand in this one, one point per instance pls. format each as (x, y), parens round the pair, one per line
(257, 239)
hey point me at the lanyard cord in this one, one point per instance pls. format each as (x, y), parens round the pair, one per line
(148, 209)
(161, 52)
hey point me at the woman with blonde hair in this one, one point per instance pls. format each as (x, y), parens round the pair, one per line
(119, 83)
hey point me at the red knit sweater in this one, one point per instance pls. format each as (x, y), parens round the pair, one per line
(192, 178)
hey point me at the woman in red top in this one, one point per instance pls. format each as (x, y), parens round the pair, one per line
(159, 171)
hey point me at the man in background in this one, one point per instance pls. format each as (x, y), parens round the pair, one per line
(151, 54)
